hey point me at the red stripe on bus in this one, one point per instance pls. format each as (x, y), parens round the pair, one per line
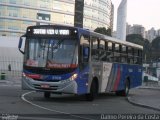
(117, 79)
(34, 76)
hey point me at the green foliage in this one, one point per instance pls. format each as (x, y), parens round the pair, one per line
(103, 30)
(135, 38)
(156, 49)
(156, 43)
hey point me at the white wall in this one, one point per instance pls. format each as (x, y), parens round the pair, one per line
(9, 53)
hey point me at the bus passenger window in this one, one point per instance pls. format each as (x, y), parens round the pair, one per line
(117, 57)
(136, 60)
(84, 40)
(130, 59)
(94, 50)
(130, 51)
(110, 57)
(94, 43)
(102, 55)
(136, 52)
(102, 44)
(124, 49)
(109, 46)
(95, 55)
(117, 48)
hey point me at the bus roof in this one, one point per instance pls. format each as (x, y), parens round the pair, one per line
(115, 40)
(101, 36)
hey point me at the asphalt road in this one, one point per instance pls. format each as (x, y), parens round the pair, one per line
(25, 105)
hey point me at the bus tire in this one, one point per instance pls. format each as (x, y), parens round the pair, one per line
(93, 91)
(124, 92)
(47, 94)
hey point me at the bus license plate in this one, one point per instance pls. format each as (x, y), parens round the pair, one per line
(45, 86)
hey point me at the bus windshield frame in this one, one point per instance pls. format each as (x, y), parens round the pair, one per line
(51, 52)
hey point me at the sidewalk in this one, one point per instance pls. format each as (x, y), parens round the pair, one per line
(146, 96)
(11, 81)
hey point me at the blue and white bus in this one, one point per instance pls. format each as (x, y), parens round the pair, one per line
(64, 59)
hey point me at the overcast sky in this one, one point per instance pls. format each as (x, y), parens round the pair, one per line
(143, 12)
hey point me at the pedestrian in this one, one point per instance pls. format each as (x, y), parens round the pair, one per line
(9, 67)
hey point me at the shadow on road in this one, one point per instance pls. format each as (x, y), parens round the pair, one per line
(71, 98)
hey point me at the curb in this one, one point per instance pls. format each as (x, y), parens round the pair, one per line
(129, 99)
(4, 81)
(152, 88)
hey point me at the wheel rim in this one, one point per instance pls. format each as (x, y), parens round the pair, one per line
(127, 88)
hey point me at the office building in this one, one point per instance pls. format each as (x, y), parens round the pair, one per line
(136, 29)
(17, 15)
(121, 20)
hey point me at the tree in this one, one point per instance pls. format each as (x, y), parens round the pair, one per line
(103, 30)
(156, 48)
(135, 38)
(156, 43)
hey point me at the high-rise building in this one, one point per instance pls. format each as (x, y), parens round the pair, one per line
(138, 29)
(158, 32)
(112, 17)
(128, 29)
(16, 15)
(135, 29)
(121, 20)
(151, 34)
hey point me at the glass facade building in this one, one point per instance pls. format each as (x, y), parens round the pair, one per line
(17, 15)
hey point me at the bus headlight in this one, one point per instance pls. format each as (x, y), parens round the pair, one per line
(23, 74)
(74, 76)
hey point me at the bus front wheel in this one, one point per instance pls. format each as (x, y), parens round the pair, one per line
(93, 91)
(47, 94)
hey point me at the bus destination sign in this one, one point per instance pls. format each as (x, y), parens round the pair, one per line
(51, 32)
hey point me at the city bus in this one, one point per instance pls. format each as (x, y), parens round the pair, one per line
(71, 60)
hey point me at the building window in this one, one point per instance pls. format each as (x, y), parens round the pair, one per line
(12, 1)
(42, 16)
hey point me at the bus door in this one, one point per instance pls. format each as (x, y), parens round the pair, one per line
(84, 58)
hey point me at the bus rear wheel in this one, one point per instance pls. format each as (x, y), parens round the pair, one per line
(124, 92)
(93, 92)
(47, 94)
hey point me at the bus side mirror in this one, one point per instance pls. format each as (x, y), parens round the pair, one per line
(20, 44)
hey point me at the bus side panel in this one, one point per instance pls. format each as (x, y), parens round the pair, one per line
(119, 74)
(134, 73)
(137, 81)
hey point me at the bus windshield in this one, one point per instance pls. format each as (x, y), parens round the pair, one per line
(51, 53)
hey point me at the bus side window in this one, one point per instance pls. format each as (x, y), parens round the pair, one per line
(102, 51)
(94, 49)
(101, 44)
(117, 55)
(124, 54)
(130, 55)
(140, 57)
(136, 56)
(109, 46)
(110, 54)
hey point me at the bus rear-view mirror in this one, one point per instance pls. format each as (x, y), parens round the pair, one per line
(20, 44)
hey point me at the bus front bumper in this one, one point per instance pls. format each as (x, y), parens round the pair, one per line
(64, 86)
